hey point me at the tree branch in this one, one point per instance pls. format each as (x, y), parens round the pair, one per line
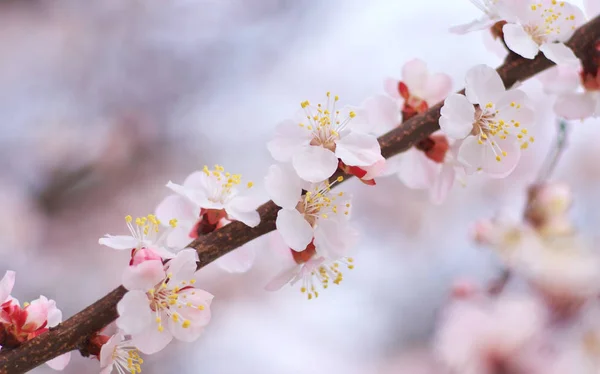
(73, 334)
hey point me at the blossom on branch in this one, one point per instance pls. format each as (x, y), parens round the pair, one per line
(120, 354)
(163, 302)
(494, 130)
(323, 137)
(207, 201)
(544, 25)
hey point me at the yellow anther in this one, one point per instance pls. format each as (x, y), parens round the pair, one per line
(128, 219)
(303, 289)
(175, 317)
(250, 184)
(186, 324)
(340, 178)
(160, 328)
(192, 281)
(498, 158)
(352, 114)
(158, 319)
(200, 307)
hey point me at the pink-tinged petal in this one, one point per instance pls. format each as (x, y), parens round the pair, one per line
(560, 79)
(289, 139)
(592, 8)
(6, 285)
(183, 266)
(438, 87)
(60, 362)
(151, 340)
(483, 157)
(143, 276)
(37, 313)
(243, 209)
(414, 75)
(197, 180)
(376, 170)
(443, 184)
(476, 25)
(178, 207)
(239, 260)
(333, 238)
(179, 237)
(514, 105)
(416, 171)
(390, 86)
(134, 311)
(483, 85)
(54, 314)
(283, 278)
(519, 41)
(575, 105)
(283, 185)
(383, 113)
(315, 164)
(107, 369)
(196, 196)
(357, 149)
(295, 231)
(108, 348)
(188, 334)
(199, 313)
(119, 242)
(457, 116)
(560, 54)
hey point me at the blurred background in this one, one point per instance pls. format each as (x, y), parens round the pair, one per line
(103, 102)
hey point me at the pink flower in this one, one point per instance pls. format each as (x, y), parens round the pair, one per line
(322, 136)
(481, 335)
(120, 354)
(217, 190)
(494, 131)
(544, 26)
(320, 215)
(145, 235)
(163, 303)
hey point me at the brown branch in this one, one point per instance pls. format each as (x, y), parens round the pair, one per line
(73, 334)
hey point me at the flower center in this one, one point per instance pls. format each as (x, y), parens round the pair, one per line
(147, 229)
(319, 202)
(223, 184)
(127, 359)
(552, 17)
(322, 274)
(325, 122)
(167, 298)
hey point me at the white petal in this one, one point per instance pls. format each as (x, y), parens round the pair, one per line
(197, 297)
(390, 86)
(178, 207)
(482, 157)
(37, 313)
(134, 312)
(378, 169)
(438, 87)
(283, 185)
(575, 105)
(416, 171)
(483, 85)
(383, 113)
(183, 266)
(514, 105)
(289, 139)
(151, 340)
(60, 362)
(560, 54)
(188, 335)
(315, 164)
(414, 75)
(560, 79)
(196, 195)
(443, 184)
(143, 276)
(330, 238)
(519, 41)
(243, 209)
(119, 241)
(294, 229)
(283, 278)
(179, 237)
(476, 25)
(357, 149)
(107, 349)
(54, 314)
(457, 116)
(239, 260)
(197, 180)
(6, 285)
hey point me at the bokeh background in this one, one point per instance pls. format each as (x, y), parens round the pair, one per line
(102, 102)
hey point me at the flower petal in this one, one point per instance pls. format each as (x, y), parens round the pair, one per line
(143, 276)
(457, 116)
(6, 285)
(416, 171)
(390, 86)
(483, 157)
(357, 149)
(295, 231)
(283, 185)
(196, 195)
(560, 54)
(239, 260)
(183, 266)
(60, 362)
(119, 241)
(575, 105)
(178, 207)
(243, 209)
(383, 113)
(414, 75)
(151, 340)
(54, 314)
(134, 311)
(333, 238)
(37, 313)
(560, 79)
(483, 85)
(514, 106)
(108, 348)
(289, 139)
(199, 313)
(475, 25)
(188, 334)
(443, 184)
(315, 164)
(519, 41)
(437, 88)
(283, 278)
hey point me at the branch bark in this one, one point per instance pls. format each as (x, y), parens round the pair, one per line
(74, 333)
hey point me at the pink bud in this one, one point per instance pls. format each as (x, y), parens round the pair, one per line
(142, 255)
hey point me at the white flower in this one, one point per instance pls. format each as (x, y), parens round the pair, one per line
(494, 131)
(145, 234)
(120, 354)
(544, 26)
(217, 190)
(163, 303)
(319, 137)
(320, 215)
(6, 285)
(493, 11)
